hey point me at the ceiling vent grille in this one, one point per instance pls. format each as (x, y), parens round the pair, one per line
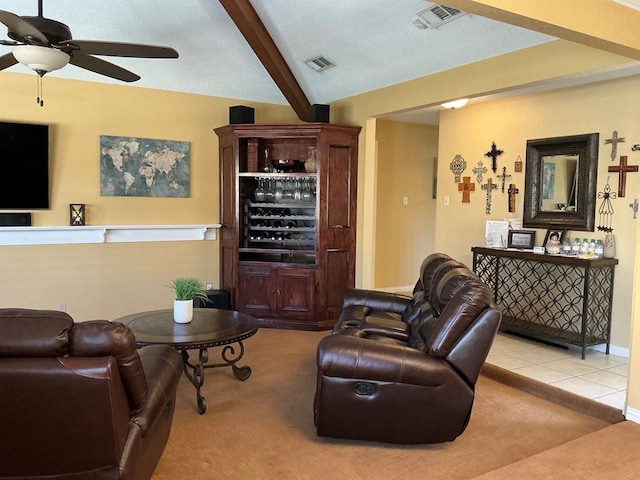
(435, 16)
(320, 63)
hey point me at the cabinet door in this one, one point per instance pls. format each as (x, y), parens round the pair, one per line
(296, 293)
(257, 292)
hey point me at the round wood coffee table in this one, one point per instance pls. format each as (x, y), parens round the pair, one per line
(210, 327)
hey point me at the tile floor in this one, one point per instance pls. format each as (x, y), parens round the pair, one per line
(600, 377)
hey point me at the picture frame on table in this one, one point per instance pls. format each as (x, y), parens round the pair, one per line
(524, 239)
(554, 233)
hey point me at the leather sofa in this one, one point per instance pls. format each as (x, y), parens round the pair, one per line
(79, 401)
(403, 369)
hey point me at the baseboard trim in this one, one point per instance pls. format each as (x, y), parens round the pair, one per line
(632, 414)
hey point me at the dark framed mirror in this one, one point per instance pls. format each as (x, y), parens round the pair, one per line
(560, 182)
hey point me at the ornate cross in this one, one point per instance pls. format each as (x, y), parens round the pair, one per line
(614, 140)
(466, 187)
(494, 153)
(479, 171)
(622, 170)
(512, 196)
(457, 166)
(488, 187)
(503, 177)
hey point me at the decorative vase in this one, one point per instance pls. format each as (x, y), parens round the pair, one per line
(609, 246)
(182, 311)
(311, 163)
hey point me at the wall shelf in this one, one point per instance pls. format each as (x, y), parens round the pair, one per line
(60, 235)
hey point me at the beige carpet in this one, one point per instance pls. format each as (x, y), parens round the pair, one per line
(263, 428)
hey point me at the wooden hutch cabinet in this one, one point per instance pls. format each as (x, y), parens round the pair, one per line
(288, 235)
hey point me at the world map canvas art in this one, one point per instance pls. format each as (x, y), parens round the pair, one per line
(143, 167)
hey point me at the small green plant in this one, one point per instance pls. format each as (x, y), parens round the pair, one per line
(188, 288)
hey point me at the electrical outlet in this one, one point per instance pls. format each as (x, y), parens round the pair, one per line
(209, 286)
(62, 307)
(405, 200)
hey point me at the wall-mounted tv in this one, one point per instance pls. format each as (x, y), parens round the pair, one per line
(24, 166)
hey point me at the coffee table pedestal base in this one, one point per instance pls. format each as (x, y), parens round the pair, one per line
(195, 371)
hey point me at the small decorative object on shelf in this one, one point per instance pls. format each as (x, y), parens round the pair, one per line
(552, 241)
(609, 246)
(77, 215)
(457, 166)
(311, 163)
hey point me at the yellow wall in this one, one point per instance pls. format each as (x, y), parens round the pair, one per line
(602, 107)
(404, 233)
(111, 280)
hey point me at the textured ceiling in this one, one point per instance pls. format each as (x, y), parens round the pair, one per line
(373, 43)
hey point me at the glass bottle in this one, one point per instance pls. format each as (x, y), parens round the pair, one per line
(575, 249)
(599, 249)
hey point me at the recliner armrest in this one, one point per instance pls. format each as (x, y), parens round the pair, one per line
(162, 366)
(377, 300)
(360, 358)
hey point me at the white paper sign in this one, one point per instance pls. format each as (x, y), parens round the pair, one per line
(496, 233)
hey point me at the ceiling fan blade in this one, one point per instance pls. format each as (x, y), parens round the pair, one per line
(7, 61)
(118, 49)
(22, 28)
(103, 68)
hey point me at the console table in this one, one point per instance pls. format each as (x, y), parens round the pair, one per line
(560, 299)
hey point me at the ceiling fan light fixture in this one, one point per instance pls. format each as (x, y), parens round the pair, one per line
(461, 102)
(40, 59)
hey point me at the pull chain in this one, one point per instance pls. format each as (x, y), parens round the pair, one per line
(39, 94)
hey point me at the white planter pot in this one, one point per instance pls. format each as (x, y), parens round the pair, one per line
(182, 311)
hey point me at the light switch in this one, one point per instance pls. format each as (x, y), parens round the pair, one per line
(446, 200)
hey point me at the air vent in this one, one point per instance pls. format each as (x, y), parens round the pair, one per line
(320, 63)
(435, 16)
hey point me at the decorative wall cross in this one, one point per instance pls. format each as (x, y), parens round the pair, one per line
(480, 170)
(512, 197)
(457, 166)
(494, 153)
(503, 177)
(466, 187)
(614, 140)
(622, 171)
(488, 187)
(605, 211)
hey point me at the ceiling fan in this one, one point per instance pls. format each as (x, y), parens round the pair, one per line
(44, 45)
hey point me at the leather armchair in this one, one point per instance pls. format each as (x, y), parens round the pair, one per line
(415, 386)
(79, 401)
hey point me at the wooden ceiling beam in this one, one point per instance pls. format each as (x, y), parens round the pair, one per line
(250, 25)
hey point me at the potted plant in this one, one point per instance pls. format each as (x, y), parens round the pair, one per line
(186, 289)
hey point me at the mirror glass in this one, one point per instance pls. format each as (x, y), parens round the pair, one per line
(560, 182)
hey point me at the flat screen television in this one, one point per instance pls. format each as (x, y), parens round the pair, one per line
(24, 166)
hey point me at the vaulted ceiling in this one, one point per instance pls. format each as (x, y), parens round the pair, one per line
(373, 43)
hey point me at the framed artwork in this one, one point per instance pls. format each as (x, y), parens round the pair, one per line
(143, 167)
(555, 233)
(521, 239)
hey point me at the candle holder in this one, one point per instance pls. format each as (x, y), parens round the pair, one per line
(77, 215)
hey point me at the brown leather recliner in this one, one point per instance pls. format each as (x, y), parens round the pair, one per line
(79, 401)
(407, 382)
